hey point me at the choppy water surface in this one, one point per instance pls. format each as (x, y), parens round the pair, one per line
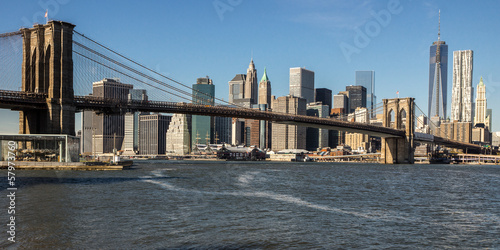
(217, 205)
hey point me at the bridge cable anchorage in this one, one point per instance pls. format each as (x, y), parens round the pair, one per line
(148, 69)
(156, 87)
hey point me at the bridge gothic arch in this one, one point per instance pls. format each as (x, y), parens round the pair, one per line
(397, 149)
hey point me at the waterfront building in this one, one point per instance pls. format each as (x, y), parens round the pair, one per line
(454, 130)
(357, 97)
(481, 134)
(495, 139)
(178, 138)
(237, 131)
(203, 126)
(462, 94)
(152, 134)
(357, 141)
(109, 129)
(315, 137)
(251, 85)
(438, 75)
(302, 83)
(131, 138)
(324, 96)
(481, 105)
(289, 136)
(366, 79)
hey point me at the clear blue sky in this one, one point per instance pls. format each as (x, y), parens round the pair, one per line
(189, 39)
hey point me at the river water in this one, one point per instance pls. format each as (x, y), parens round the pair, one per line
(256, 205)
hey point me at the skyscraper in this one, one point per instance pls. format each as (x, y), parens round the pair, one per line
(357, 97)
(481, 105)
(367, 80)
(131, 139)
(237, 88)
(109, 129)
(265, 104)
(179, 135)
(251, 85)
(289, 136)
(302, 83)
(203, 126)
(438, 72)
(265, 90)
(324, 96)
(153, 134)
(317, 137)
(341, 101)
(461, 99)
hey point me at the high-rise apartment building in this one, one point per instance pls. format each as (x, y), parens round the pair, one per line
(324, 96)
(481, 105)
(289, 136)
(438, 72)
(302, 83)
(109, 129)
(367, 79)
(461, 97)
(357, 97)
(203, 126)
(153, 134)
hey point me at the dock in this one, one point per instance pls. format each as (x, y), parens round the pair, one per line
(83, 166)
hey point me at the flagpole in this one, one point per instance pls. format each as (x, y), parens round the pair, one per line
(46, 16)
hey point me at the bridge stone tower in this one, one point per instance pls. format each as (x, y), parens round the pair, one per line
(399, 114)
(48, 68)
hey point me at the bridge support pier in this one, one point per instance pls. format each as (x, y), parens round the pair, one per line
(399, 114)
(48, 68)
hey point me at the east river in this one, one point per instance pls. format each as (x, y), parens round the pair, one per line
(256, 205)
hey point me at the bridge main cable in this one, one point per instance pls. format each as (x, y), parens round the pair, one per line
(148, 69)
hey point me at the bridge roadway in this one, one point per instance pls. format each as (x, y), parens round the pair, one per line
(20, 100)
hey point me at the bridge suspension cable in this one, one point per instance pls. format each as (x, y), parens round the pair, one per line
(189, 92)
(11, 53)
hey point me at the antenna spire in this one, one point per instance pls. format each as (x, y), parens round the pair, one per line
(439, 27)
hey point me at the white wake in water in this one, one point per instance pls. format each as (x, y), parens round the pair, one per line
(245, 179)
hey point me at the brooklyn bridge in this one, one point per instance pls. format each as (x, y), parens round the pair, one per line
(51, 80)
